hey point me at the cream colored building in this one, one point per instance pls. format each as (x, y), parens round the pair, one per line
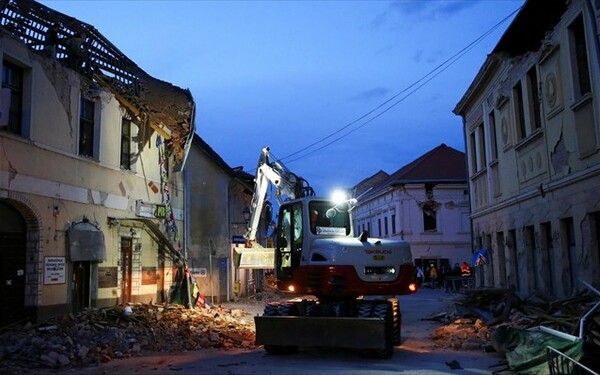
(91, 149)
(425, 203)
(532, 136)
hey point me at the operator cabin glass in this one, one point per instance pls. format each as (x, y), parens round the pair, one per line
(321, 223)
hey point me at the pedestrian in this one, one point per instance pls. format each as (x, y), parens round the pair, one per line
(455, 277)
(433, 275)
(443, 274)
(420, 276)
(465, 272)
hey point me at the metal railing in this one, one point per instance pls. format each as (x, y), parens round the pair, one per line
(561, 364)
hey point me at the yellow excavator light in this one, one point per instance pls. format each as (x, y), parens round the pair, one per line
(412, 287)
(291, 288)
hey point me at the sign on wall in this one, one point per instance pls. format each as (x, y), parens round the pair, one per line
(54, 270)
(150, 210)
(107, 277)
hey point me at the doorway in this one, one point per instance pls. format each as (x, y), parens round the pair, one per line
(13, 236)
(81, 286)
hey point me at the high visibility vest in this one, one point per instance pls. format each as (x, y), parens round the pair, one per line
(465, 270)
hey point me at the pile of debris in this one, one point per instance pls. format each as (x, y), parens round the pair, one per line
(487, 318)
(100, 335)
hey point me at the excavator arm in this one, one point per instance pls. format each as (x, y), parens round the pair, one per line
(289, 186)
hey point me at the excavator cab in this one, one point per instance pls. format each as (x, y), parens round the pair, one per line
(300, 223)
(289, 240)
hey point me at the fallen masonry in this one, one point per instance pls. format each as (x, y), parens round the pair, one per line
(497, 320)
(101, 334)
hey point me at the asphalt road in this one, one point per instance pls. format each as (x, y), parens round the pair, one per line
(416, 354)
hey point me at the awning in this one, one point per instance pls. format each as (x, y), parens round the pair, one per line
(86, 242)
(154, 231)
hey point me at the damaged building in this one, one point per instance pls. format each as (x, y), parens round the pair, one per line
(530, 121)
(91, 154)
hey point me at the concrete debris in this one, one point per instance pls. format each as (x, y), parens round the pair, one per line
(102, 334)
(479, 313)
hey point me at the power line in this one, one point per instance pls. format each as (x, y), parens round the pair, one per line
(419, 83)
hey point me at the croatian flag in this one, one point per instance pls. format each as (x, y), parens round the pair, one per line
(480, 257)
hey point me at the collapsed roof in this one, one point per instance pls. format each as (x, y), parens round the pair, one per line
(168, 109)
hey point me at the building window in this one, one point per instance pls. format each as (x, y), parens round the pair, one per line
(385, 225)
(394, 223)
(519, 111)
(477, 145)
(12, 78)
(86, 128)
(481, 148)
(473, 153)
(581, 72)
(126, 144)
(429, 217)
(534, 98)
(379, 227)
(493, 139)
(583, 106)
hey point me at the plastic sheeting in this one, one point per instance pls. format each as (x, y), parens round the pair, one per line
(525, 349)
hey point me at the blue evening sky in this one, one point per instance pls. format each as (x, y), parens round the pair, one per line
(288, 74)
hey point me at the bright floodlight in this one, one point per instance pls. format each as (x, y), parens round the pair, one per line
(339, 196)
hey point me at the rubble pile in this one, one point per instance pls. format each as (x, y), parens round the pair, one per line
(462, 334)
(100, 335)
(486, 318)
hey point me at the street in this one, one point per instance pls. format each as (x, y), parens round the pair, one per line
(416, 354)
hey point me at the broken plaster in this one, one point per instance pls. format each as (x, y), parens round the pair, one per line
(559, 156)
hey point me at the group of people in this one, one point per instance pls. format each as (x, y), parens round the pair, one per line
(443, 276)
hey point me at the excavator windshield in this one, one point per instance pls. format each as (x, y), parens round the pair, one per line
(323, 224)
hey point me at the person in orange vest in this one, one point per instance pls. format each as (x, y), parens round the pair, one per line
(465, 271)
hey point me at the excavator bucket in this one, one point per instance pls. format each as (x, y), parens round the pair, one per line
(260, 258)
(359, 333)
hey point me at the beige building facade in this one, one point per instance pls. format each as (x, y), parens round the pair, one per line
(532, 132)
(91, 153)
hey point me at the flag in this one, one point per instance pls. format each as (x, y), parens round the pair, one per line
(480, 257)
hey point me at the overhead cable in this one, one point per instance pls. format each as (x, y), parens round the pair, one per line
(413, 88)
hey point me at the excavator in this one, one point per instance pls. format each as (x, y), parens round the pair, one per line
(346, 286)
